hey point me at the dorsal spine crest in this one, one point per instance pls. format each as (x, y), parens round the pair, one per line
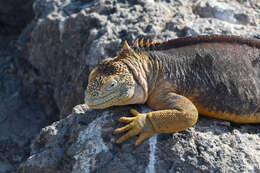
(191, 40)
(141, 43)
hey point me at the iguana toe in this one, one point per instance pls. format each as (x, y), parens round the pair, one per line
(123, 129)
(142, 137)
(134, 112)
(130, 133)
(126, 119)
(136, 125)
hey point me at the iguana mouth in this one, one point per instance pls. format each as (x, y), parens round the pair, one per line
(102, 102)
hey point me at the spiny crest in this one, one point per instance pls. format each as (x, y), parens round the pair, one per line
(141, 43)
(147, 43)
(144, 44)
(137, 46)
(191, 40)
(126, 46)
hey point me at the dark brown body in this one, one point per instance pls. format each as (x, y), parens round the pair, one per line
(219, 74)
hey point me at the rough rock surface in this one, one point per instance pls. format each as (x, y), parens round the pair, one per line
(47, 77)
(22, 114)
(14, 16)
(84, 142)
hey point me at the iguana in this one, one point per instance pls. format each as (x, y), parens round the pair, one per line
(212, 75)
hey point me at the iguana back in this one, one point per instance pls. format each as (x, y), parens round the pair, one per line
(220, 73)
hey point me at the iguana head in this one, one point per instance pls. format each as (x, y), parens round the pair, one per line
(110, 83)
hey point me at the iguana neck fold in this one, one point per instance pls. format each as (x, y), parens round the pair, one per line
(145, 72)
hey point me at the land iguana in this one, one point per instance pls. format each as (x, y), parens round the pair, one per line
(212, 75)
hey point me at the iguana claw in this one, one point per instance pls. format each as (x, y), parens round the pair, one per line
(139, 124)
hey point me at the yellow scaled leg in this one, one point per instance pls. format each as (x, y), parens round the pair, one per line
(173, 113)
(139, 124)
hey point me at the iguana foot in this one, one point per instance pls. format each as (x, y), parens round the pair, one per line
(139, 124)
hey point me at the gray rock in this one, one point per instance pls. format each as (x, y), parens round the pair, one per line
(14, 16)
(232, 12)
(221, 11)
(22, 114)
(85, 142)
(5, 166)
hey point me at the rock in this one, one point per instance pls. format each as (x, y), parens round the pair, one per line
(221, 11)
(22, 114)
(5, 166)
(231, 12)
(75, 95)
(14, 16)
(84, 142)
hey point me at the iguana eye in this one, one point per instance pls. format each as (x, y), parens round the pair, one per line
(110, 85)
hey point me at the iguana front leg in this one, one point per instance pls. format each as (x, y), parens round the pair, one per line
(174, 113)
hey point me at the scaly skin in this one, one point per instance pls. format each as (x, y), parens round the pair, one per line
(216, 76)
